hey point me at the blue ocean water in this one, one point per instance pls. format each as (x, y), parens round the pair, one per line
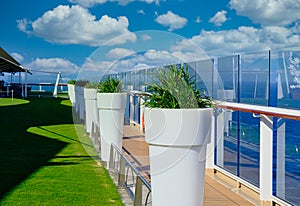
(49, 88)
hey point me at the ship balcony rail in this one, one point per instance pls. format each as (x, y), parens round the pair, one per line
(129, 177)
(262, 156)
(267, 164)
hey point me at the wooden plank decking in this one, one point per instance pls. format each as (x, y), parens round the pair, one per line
(136, 149)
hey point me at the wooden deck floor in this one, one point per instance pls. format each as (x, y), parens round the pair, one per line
(136, 149)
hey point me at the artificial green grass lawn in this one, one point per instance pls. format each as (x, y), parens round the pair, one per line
(10, 101)
(46, 160)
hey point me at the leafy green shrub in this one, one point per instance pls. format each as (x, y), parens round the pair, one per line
(72, 81)
(81, 83)
(110, 85)
(92, 85)
(175, 89)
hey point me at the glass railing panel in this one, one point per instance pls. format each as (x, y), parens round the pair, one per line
(136, 110)
(131, 80)
(287, 161)
(289, 78)
(135, 79)
(141, 86)
(192, 68)
(204, 76)
(127, 111)
(226, 78)
(227, 142)
(249, 148)
(254, 78)
(150, 78)
(237, 151)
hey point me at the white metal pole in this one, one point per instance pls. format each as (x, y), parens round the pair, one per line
(56, 85)
(25, 84)
(20, 81)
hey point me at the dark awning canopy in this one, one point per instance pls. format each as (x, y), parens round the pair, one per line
(9, 64)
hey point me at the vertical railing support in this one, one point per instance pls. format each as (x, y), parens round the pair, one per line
(280, 157)
(122, 171)
(266, 159)
(133, 184)
(142, 111)
(138, 195)
(220, 137)
(111, 157)
(131, 105)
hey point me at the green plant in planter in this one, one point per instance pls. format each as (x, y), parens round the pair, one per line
(175, 89)
(110, 85)
(81, 83)
(92, 85)
(72, 81)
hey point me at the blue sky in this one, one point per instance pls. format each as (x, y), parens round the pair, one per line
(63, 35)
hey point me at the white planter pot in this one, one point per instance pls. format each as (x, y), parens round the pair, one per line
(177, 147)
(111, 107)
(91, 113)
(77, 99)
(71, 93)
(81, 103)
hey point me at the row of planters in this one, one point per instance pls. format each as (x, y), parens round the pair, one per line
(100, 107)
(178, 122)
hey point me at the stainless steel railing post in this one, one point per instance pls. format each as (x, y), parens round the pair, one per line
(121, 178)
(138, 195)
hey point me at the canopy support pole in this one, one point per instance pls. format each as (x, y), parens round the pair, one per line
(56, 85)
(25, 82)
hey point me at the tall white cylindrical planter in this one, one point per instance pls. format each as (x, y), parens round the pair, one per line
(71, 93)
(91, 112)
(77, 88)
(111, 108)
(177, 148)
(81, 103)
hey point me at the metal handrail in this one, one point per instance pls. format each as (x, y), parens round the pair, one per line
(261, 110)
(135, 187)
(266, 114)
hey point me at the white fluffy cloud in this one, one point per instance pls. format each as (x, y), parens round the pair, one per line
(41, 69)
(268, 12)
(18, 57)
(118, 53)
(141, 11)
(198, 20)
(243, 40)
(91, 65)
(91, 3)
(155, 58)
(171, 20)
(75, 25)
(152, 58)
(53, 65)
(219, 18)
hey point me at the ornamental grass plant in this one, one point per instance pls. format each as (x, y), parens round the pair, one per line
(110, 85)
(173, 87)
